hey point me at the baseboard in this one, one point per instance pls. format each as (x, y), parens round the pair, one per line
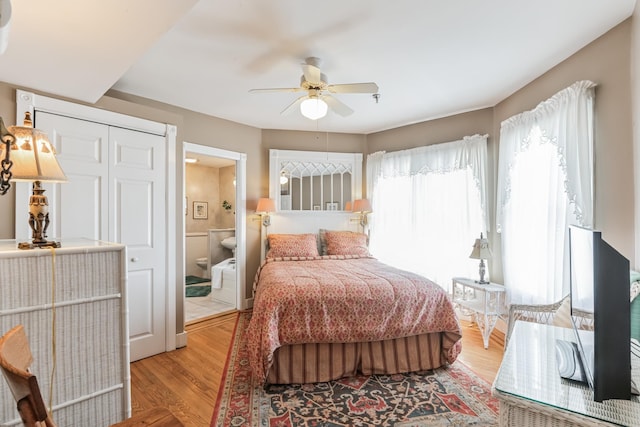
(181, 340)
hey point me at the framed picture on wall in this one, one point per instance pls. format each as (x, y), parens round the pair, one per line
(200, 210)
(333, 206)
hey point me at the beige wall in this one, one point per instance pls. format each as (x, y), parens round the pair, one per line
(227, 218)
(7, 202)
(605, 61)
(211, 185)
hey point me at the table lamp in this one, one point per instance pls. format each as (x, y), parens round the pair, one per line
(362, 207)
(264, 207)
(481, 251)
(29, 156)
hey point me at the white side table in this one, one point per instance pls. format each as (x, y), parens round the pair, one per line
(485, 302)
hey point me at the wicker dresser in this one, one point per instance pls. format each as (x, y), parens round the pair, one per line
(91, 380)
(531, 392)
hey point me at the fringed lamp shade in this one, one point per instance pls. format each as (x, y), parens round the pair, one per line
(33, 156)
(481, 249)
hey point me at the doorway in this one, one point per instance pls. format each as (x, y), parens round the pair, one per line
(213, 253)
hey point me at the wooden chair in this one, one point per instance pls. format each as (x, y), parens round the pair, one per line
(15, 359)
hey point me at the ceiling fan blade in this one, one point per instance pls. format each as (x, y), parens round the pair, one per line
(277, 89)
(354, 88)
(291, 107)
(337, 106)
(311, 73)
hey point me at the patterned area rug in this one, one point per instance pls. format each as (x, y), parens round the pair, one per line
(452, 396)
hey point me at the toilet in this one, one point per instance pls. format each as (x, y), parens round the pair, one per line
(202, 263)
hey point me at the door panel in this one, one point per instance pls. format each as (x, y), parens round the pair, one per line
(140, 289)
(138, 220)
(82, 219)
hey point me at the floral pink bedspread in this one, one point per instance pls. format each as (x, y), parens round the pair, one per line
(341, 299)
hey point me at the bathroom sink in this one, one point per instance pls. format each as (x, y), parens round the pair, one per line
(229, 242)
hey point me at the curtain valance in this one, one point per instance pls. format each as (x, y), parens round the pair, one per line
(467, 153)
(564, 120)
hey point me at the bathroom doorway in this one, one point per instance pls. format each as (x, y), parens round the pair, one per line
(213, 265)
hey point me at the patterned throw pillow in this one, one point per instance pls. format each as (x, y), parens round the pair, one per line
(292, 245)
(346, 243)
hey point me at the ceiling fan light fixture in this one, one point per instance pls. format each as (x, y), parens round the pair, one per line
(313, 108)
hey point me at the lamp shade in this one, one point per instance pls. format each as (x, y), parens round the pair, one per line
(348, 207)
(481, 249)
(313, 108)
(33, 156)
(266, 205)
(362, 205)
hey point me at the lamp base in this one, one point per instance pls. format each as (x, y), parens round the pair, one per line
(31, 245)
(38, 220)
(482, 271)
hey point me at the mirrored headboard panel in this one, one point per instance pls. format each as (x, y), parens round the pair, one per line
(314, 181)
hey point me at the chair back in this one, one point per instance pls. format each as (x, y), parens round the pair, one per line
(15, 359)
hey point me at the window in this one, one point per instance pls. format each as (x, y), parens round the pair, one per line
(545, 183)
(428, 207)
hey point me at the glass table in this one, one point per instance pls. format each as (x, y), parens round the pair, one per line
(531, 392)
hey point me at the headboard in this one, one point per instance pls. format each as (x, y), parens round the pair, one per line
(307, 222)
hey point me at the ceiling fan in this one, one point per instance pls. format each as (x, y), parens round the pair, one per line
(318, 99)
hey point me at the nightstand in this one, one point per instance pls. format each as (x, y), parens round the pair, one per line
(485, 302)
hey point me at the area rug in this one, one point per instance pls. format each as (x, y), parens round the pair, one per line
(197, 291)
(452, 396)
(194, 280)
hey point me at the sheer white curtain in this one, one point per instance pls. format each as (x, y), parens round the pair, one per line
(429, 207)
(545, 183)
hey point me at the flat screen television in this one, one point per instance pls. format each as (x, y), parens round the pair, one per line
(599, 277)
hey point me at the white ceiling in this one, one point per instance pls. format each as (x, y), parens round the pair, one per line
(430, 58)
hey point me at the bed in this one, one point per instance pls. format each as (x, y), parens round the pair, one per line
(322, 317)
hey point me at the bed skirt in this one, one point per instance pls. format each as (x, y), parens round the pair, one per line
(310, 363)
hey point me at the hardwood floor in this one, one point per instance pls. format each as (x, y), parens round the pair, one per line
(187, 380)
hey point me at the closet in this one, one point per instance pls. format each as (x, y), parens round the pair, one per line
(117, 192)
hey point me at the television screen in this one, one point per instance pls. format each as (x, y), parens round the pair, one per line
(599, 277)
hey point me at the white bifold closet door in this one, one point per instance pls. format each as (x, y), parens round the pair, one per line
(116, 192)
